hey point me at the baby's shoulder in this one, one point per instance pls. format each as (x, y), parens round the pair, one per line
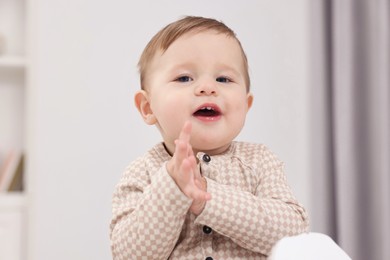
(248, 151)
(138, 164)
(149, 160)
(255, 154)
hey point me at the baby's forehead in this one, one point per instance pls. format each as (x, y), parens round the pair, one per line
(200, 47)
(210, 41)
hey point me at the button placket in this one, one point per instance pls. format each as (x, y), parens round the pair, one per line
(207, 241)
(207, 238)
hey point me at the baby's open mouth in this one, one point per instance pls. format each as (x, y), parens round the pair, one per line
(207, 111)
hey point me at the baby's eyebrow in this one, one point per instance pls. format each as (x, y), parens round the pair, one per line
(183, 65)
(229, 69)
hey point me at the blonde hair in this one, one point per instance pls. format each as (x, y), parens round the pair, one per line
(166, 36)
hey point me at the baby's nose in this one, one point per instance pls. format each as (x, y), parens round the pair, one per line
(207, 88)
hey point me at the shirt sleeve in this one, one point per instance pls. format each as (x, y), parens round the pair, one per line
(255, 221)
(148, 215)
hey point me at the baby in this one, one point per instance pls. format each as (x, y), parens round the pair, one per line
(199, 194)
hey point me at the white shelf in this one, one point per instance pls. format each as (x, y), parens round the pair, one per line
(13, 205)
(12, 62)
(12, 225)
(12, 200)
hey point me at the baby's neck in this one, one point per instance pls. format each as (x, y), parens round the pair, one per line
(216, 151)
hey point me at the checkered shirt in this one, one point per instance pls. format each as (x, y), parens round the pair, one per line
(252, 207)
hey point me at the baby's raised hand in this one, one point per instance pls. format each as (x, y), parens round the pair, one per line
(183, 169)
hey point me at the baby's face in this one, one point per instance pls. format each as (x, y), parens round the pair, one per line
(200, 78)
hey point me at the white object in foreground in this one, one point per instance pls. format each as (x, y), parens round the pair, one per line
(308, 246)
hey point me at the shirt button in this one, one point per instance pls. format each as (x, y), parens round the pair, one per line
(207, 230)
(209, 258)
(206, 158)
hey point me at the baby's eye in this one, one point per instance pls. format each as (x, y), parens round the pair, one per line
(183, 79)
(223, 80)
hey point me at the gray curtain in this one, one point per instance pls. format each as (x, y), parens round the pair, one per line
(351, 124)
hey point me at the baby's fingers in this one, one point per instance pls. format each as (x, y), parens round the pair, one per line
(185, 133)
(201, 194)
(180, 152)
(198, 194)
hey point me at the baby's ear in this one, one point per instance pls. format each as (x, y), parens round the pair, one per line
(249, 100)
(142, 103)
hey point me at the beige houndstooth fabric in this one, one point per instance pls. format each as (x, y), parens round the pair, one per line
(251, 208)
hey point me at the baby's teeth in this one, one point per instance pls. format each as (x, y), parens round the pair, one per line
(209, 108)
